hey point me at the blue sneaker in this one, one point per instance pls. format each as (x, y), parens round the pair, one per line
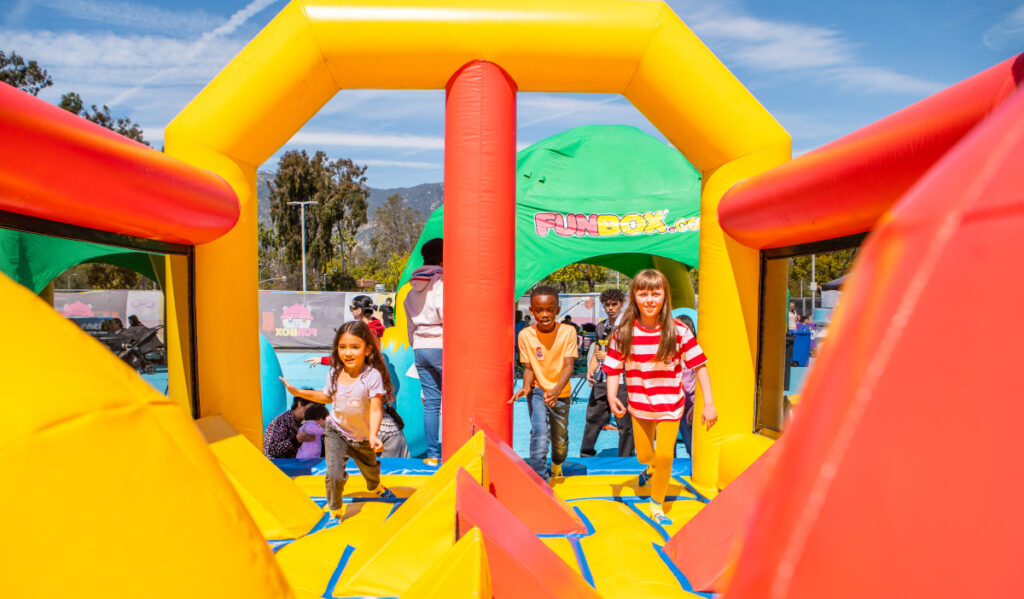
(644, 478)
(385, 493)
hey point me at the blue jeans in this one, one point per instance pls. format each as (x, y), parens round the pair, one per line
(428, 367)
(542, 420)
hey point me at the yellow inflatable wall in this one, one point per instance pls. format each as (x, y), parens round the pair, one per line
(109, 490)
(313, 49)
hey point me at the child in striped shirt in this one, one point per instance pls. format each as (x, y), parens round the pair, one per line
(652, 349)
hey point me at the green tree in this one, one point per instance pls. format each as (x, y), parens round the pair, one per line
(72, 102)
(26, 76)
(592, 274)
(827, 266)
(566, 276)
(396, 228)
(338, 189)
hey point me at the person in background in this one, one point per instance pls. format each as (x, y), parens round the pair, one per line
(689, 392)
(424, 317)
(387, 314)
(362, 309)
(793, 316)
(315, 419)
(568, 320)
(282, 438)
(598, 413)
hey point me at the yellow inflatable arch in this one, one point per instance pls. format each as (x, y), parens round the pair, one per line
(313, 49)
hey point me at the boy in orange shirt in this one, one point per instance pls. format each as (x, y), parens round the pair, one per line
(547, 350)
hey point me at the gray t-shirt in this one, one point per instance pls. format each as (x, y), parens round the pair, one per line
(350, 411)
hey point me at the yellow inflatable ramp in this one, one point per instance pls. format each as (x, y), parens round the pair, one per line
(108, 488)
(280, 507)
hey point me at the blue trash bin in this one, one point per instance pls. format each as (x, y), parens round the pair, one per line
(801, 348)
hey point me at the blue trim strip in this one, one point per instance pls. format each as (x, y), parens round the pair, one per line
(633, 499)
(585, 520)
(581, 559)
(320, 524)
(329, 593)
(649, 520)
(690, 488)
(572, 535)
(683, 582)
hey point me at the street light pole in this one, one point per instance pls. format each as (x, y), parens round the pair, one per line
(302, 216)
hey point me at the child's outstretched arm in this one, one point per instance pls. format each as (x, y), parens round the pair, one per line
(311, 394)
(709, 415)
(376, 415)
(528, 377)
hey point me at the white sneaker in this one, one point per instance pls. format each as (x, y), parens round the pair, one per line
(430, 461)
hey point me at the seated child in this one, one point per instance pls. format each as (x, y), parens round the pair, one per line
(315, 419)
(547, 350)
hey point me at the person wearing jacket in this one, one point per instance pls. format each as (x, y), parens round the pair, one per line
(424, 315)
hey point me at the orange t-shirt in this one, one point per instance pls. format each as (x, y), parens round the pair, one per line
(545, 353)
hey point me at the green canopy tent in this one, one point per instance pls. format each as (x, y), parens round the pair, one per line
(34, 260)
(606, 195)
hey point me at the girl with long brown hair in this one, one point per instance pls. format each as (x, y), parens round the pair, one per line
(652, 349)
(356, 386)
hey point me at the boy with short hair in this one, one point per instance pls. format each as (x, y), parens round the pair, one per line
(547, 350)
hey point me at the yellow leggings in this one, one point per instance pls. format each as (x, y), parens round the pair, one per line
(644, 434)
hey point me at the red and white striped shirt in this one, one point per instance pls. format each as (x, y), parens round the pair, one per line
(655, 389)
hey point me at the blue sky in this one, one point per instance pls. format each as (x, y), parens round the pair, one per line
(823, 68)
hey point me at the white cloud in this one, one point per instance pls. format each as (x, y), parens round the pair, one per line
(18, 13)
(399, 163)
(795, 49)
(367, 140)
(199, 47)
(535, 108)
(1007, 33)
(130, 15)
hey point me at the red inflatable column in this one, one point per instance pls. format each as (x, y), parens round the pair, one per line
(479, 252)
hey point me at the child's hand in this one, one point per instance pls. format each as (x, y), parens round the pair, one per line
(709, 416)
(376, 444)
(689, 416)
(519, 394)
(550, 398)
(590, 378)
(290, 387)
(312, 361)
(616, 407)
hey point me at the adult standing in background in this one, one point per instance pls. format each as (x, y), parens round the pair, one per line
(387, 314)
(424, 315)
(598, 412)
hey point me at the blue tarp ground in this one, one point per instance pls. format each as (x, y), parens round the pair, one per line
(414, 466)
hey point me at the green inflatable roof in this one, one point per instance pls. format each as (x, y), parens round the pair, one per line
(607, 195)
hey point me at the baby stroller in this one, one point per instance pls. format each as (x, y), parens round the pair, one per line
(144, 350)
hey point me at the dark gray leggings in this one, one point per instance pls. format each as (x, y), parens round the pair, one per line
(338, 450)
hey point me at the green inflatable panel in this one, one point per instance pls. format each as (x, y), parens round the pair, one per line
(606, 195)
(34, 260)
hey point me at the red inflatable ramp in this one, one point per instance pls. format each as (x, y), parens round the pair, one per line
(871, 495)
(707, 546)
(521, 565)
(523, 492)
